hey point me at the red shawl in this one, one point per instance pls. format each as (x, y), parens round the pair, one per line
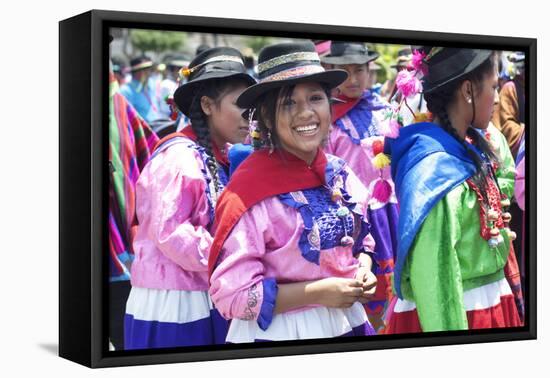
(340, 109)
(260, 176)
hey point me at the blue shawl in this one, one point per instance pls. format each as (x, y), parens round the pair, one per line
(427, 163)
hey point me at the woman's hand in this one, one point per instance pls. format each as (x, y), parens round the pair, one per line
(337, 292)
(369, 281)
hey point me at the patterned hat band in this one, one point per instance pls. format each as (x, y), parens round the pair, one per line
(187, 71)
(142, 65)
(292, 73)
(288, 58)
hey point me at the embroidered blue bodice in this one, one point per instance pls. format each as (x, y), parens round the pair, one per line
(323, 228)
(358, 123)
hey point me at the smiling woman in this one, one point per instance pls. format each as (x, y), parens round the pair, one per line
(290, 258)
(175, 200)
(303, 118)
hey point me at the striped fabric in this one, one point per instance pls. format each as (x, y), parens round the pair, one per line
(158, 318)
(488, 306)
(131, 142)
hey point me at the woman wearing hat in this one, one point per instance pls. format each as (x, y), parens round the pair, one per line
(359, 117)
(455, 240)
(176, 196)
(289, 258)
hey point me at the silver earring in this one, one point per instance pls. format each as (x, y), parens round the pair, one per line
(469, 100)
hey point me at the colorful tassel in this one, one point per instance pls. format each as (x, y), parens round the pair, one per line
(422, 117)
(382, 191)
(377, 147)
(381, 161)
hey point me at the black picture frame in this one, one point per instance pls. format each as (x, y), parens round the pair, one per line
(83, 110)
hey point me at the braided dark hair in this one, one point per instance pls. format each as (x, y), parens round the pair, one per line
(216, 90)
(266, 110)
(439, 100)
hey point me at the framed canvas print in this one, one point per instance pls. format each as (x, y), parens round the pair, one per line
(234, 188)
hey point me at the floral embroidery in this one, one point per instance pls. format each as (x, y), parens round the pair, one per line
(314, 238)
(299, 197)
(251, 303)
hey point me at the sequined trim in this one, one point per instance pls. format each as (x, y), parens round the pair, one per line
(294, 57)
(293, 72)
(220, 58)
(224, 58)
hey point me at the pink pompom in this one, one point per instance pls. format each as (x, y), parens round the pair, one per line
(390, 129)
(382, 191)
(407, 83)
(417, 62)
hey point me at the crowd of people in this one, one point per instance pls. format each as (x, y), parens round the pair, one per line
(296, 197)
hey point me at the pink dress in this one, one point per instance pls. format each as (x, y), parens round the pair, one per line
(292, 237)
(169, 304)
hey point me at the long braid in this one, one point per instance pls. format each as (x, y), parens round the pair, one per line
(200, 127)
(437, 105)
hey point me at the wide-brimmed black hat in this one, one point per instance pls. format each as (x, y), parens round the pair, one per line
(214, 63)
(288, 64)
(349, 53)
(446, 65)
(140, 63)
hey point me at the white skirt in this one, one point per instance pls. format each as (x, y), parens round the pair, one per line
(314, 323)
(168, 306)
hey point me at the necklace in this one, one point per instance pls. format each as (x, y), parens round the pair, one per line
(493, 215)
(342, 212)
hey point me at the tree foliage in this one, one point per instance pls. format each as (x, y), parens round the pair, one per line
(388, 56)
(257, 43)
(157, 41)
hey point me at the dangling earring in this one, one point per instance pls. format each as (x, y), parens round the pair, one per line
(270, 141)
(469, 100)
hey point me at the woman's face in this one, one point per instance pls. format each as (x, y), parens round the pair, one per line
(303, 120)
(357, 81)
(224, 117)
(485, 97)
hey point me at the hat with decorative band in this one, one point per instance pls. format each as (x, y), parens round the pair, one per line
(214, 63)
(287, 64)
(349, 53)
(446, 65)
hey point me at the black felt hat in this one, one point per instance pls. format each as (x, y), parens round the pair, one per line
(288, 64)
(214, 63)
(349, 53)
(446, 65)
